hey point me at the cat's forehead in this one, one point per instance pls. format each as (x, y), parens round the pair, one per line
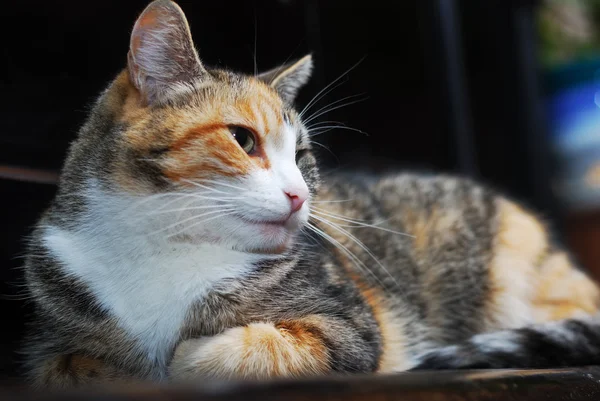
(233, 99)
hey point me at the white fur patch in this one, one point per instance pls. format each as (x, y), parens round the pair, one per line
(148, 284)
(503, 341)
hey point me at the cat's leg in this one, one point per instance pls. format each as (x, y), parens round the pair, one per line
(293, 348)
(71, 371)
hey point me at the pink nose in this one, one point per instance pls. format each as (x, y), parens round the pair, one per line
(297, 199)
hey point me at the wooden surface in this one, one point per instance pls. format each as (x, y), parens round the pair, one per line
(505, 385)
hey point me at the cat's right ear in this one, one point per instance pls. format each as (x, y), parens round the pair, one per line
(161, 52)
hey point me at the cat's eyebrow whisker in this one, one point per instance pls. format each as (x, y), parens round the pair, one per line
(320, 94)
(335, 102)
(185, 209)
(364, 225)
(323, 146)
(225, 213)
(189, 219)
(322, 130)
(330, 109)
(360, 264)
(357, 242)
(318, 123)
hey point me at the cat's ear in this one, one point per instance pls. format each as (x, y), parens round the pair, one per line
(161, 51)
(289, 78)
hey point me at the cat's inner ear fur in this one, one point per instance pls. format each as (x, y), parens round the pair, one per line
(161, 55)
(289, 78)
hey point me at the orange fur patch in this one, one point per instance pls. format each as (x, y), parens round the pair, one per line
(520, 242)
(199, 143)
(393, 356)
(259, 350)
(563, 291)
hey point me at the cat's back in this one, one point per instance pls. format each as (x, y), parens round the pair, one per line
(454, 254)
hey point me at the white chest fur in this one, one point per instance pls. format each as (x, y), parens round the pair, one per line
(149, 288)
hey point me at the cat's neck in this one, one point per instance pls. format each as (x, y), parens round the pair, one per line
(147, 285)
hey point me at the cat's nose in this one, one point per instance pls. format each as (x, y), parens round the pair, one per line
(297, 198)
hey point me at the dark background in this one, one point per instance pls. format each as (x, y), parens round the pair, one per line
(448, 85)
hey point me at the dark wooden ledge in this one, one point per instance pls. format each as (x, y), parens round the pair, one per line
(501, 385)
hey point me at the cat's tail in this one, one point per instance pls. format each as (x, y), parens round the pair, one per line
(573, 342)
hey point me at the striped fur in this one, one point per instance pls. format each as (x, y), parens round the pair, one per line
(173, 253)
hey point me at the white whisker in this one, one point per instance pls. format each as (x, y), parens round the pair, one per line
(357, 241)
(322, 130)
(222, 183)
(228, 213)
(335, 108)
(310, 118)
(318, 123)
(331, 201)
(359, 223)
(185, 209)
(188, 219)
(360, 264)
(205, 187)
(320, 94)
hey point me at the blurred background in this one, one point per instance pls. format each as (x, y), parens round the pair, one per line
(504, 91)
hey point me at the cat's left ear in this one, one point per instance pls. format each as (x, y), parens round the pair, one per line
(289, 78)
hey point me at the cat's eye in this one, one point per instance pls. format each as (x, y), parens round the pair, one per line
(244, 137)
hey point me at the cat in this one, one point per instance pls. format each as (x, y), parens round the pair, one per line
(192, 237)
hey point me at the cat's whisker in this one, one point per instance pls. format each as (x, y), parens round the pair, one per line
(223, 184)
(204, 186)
(331, 201)
(318, 96)
(357, 242)
(360, 264)
(322, 130)
(358, 222)
(331, 214)
(323, 146)
(179, 198)
(188, 219)
(226, 213)
(318, 123)
(310, 118)
(185, 209)
(314, 116)
(177, 195)
(255, 44)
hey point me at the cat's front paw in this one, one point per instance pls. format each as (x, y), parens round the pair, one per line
(258, 351)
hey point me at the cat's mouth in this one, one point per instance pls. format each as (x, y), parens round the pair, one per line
(287, 223)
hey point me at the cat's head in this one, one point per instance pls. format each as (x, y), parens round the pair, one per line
(210, 155)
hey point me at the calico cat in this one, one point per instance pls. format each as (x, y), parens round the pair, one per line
(191, 237)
